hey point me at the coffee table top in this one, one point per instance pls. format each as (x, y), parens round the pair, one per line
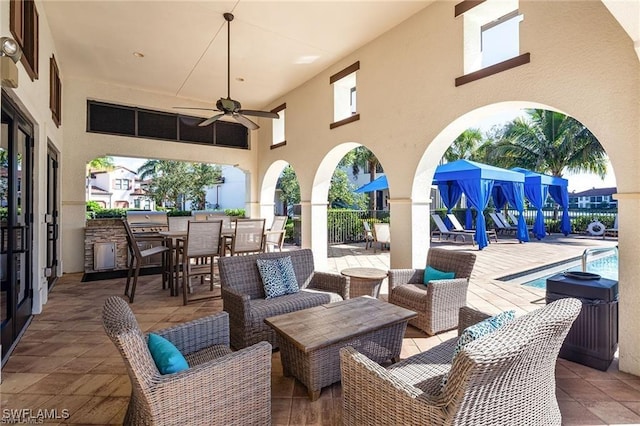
(324, 325)
(366, 273)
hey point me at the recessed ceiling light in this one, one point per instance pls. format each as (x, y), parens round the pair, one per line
(138, 54)
(239, 79)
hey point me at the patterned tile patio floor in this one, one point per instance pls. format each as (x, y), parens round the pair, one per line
(65, 361)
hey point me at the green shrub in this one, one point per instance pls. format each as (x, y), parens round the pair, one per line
(110, 213)
(178, 213)
(93, 206)
(4, 213)
(235, 212)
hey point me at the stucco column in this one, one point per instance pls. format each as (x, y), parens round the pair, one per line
(73, 214)
(316, 228)
(409, 233)
(629, 279)
(266, 211)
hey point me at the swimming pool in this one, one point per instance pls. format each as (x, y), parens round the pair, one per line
(606, 266)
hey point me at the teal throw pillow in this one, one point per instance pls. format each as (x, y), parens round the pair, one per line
(478, 330)
(433, 274)
(167, 357)
(278, 276)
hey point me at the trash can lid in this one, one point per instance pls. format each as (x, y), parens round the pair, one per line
(602, 288)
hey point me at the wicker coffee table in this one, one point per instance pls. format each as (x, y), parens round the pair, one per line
(310, 339)
(364, 281)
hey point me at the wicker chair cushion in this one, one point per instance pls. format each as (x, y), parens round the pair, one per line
(433, 274)
(278, 276)
(167, 357)
(264, 308)
(478, 330)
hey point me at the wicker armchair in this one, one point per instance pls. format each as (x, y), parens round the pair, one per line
(244, 298)
(438, 303)
(221, 387)
(504, 378)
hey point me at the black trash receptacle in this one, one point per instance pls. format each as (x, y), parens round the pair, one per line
(593, 338)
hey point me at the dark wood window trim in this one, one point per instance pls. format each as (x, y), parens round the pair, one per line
(354, 117)
(55, 92)
(466, 5)
(279, 144)
(345, 72)
(525, 58)
(24, 26)
(279, 108)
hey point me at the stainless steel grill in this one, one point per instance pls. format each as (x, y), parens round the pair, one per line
(146, 222)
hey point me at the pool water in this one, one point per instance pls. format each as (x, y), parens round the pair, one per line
(607, 267)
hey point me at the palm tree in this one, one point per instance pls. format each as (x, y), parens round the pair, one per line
(97, 164)
(464, 146)
(550, 142)
(362, 157)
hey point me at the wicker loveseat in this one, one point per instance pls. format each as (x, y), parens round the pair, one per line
(244, 297)
(504, 378)
(220, 387)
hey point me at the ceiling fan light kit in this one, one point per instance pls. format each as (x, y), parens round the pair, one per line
(227, 107)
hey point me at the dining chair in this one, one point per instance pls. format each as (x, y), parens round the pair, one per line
(137, 255)
(381, 235)
(248, 237)
(368, 235)
(199, 250)
(274, 237)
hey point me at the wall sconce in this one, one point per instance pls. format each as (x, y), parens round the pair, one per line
(10, 54)
(9, 47)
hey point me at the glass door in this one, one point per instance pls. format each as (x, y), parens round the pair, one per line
(16, 218)
(51, 216)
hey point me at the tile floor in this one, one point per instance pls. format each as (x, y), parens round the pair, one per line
(66, 362)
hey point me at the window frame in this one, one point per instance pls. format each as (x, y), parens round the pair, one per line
(283, 142)
(24, 26)
(355, 116)
(55, 92)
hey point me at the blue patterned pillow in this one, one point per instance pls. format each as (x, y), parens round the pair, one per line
(278, 276)
(478, 330)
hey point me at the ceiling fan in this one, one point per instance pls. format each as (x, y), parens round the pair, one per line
(230, 107)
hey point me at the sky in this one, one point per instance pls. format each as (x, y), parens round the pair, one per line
(577, 182)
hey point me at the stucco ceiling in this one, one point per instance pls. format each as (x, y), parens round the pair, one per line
(275, 45)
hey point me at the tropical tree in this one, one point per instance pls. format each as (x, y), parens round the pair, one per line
(359, 158)
(464, 146)
(201, 176)
(288, 184)
(341, 192)
(170, 180)
(101, 163)
(550, 142)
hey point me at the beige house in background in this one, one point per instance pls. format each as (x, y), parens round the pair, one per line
(420, 83)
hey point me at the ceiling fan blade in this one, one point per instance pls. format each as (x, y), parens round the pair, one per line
(245, 121)
(202, 109)
(266, 114)
(210, 120)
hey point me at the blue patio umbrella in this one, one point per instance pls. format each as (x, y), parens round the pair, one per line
(375, 185)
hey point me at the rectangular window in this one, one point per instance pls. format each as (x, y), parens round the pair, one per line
(344, 96)
(122, 184)
(136, 203)
(278, 125)
(500, 39)
(23, 24)
(55, 92)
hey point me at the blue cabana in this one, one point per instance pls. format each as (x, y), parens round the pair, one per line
(377, 184)
(536, 188)
(476, 181)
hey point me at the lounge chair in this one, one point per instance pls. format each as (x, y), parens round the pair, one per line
(514, 219)
(502, 227)
(457, 226)
(611, 232)
(444, 231)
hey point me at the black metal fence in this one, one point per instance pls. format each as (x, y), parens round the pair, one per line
(345, 226)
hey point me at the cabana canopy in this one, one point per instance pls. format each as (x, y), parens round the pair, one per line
(377, 184)
(536, 188)
(476, 181)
